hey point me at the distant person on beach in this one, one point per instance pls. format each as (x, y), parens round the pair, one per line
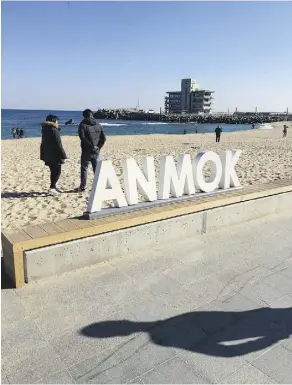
(218, 131)
(285, 130)
(196, 130)
(185, 131)
(92, 140)
(13, 132)
(17, 132)
(52, 151)
(252, 126)
(21, 133)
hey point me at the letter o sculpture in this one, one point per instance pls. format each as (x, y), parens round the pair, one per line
(216, 171)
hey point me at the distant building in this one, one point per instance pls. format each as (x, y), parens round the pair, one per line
(189, 100)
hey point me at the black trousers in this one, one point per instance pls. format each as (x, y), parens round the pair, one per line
(217, 138)
(55, 174)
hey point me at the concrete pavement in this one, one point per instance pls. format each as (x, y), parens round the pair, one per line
(213, 309)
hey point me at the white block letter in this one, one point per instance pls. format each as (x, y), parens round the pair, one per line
(105, 186)
(229, 177)
(135, 179)
(216, 171)
(173, 180)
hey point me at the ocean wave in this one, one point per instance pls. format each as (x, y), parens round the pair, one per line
(113, 124)
(68, 125)
(155, 123)
(265, 127)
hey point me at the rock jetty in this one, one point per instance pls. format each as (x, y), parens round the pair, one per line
(236, 118)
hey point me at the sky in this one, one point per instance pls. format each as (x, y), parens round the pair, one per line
(77, 55)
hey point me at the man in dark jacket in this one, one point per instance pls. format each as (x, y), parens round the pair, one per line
(92, 140)
(52, 151)
(218, 132)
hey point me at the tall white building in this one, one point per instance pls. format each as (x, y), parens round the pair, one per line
(190, 99)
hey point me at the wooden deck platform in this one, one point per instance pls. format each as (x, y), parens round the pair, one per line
(16, 242)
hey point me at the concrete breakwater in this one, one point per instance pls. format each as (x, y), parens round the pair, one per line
(239, 118)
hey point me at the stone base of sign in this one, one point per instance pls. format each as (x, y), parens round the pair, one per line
(57, 259)
(49, 249)
(159, 203)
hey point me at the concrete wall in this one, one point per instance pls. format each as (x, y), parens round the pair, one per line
(68, 256)
(246, 211)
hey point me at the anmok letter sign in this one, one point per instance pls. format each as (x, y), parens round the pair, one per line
(174, 180)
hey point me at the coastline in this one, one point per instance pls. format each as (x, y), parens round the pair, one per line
(266, 157)
(134, 128)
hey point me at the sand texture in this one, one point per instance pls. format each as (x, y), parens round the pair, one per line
(25, 179)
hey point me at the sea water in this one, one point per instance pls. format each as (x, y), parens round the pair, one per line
(31, 120)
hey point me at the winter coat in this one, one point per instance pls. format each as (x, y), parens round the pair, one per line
(91, 135)
(52, 151)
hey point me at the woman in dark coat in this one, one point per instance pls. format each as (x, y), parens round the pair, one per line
(52, 151)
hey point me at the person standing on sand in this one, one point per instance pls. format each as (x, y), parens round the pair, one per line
(92, 140)
(52, 151)
(285, 131)
(13, 132)
(218, 131)
(17, 132)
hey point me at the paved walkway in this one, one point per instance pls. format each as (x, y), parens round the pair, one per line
(213, 309)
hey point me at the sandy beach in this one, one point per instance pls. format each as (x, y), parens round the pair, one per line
(25, 179)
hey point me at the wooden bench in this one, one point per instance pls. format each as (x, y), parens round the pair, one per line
(16, 242)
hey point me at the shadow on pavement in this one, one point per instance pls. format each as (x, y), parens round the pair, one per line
(213, 333)
(6, 282)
